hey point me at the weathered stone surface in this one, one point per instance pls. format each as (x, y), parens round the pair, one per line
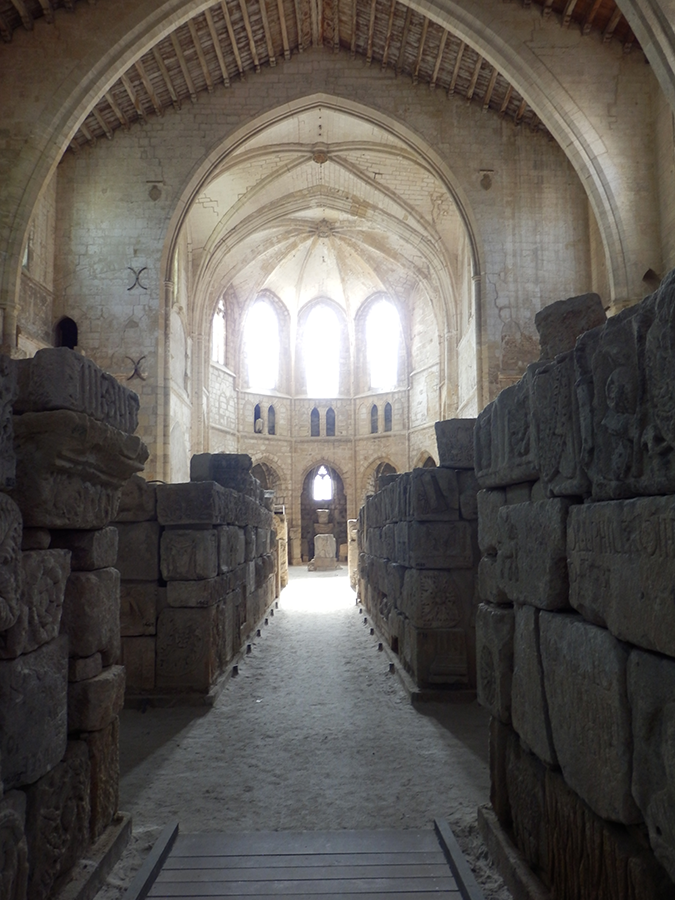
(10, 565)
(58, 378)
(526, 786)
(91, 614)
(232, 547)
(468, 494)
(83, 669)
(57, 820)
(454, 439)
(249, 542)
(13, 847)
(280, 526)
(138, 659)
(438, 656)
(104, 763)
(8, 391)
(439, 545)
(71, 469)
(559, 324)
(138, 555)
(494, 659)
(436, 599)
(36, 539)
(201, 503)
(433, 495)
(138, 501)
(90, 549)
(44, 575)
(518, 493)
(489, 587)
(138, 608)
(622, 568)
(489, 504)
(189, 555)
(504, 448)
(187, 648)
(33, 710)
(206, 592)
(93, 704)
(231, 470)
(585, 685)
(532, 554)
(529, 709)
(651, 692)
(500, 735)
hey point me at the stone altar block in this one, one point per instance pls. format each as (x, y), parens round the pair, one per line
(324, 553)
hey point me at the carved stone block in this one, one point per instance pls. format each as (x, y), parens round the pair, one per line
(231, 547)
(10, 567)
(494, 659)
(440, 545)
(89, 549)
(206, 592)
(249, 542)
(33, 712)
(529, 709)
(454, 439)
(651, 692)
(57, 820)
(201, 503)
(82, 669)
(104, 763)
(93, 704)
(439, 656)
(500, 735)
(36, 539)
(138, 555)
(44, 575)
(13, 847)
(433, 495)
(436, 599)
(138, 659)
(468, 494)
(489, 586)
(58, 378)
(138, 608)
(138, 502)
(622, 568)
(526, 786)
(8, 391)
(231, 470)
(489, 504)
(189, 555)
(91, 614)
(187, 648)
(585, 686)
(71, 469)
(559, 324)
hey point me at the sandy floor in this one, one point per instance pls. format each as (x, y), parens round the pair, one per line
(314, 734)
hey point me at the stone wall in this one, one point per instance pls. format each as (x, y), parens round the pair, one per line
(576, 631)
(417, 562)
(65, 455)
(198, 567)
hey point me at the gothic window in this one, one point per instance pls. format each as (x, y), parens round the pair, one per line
(323, 485)
(373, 419)
(315, 423)
(383, 328)
(218, 335)
(261, 346)
(271, 421)
(66, 333)
(257, 420)
(321, 351)
(387, 417)
(330, 422)
(429, 463)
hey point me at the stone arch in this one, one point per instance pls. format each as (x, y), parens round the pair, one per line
(424, 460)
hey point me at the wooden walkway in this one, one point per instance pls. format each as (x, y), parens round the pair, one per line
(374, 865)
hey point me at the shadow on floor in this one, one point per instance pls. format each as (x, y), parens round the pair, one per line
(144, 733)
(467, 722)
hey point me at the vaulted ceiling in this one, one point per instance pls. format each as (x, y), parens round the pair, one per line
(234, 38)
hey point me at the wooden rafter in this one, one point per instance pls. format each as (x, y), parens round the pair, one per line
(439, 57)
(474, 78)
(404, 40)
(147, 84)
(315, 20)
(390, 28)
(200, 55)
(271, 55)
(5, 30)
(608, 33)
(628, 43)
(161, 65)
(567, 13)
(588, 21)
(24, 12)
(103, 125)
(47, 11)
(506, 101)
(371, 32)
(490, 88)
(249, 33)
(133, 96)
(455, 71)
(112, 103)
(89, 136)
(216, 46)
(184, 67)
(284, 29)
(418, 61)
(233, 39)
(521, 112)
(352, 48)
(336, 26)
(546, 11)
(298, 19)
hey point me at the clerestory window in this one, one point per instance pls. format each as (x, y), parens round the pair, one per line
(261, 346)
(321, 352)
(383, 331)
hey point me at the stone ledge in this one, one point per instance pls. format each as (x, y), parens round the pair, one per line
(89, 874)
(519, 878)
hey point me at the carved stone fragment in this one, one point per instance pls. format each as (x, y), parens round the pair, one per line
(187, 648)
(138, 608)
(559, 324)
(231, 470)
(468, 494)
(494, 659)
(440, 545)
(435, 599)
(138, 659)
(13, 848)
(454, 439)
(33, 712)
(104, 762)
(585, 685)
(93, 704)
(489, 535)
(138, 554)
(526, 785)
(189, 555)
(10, 562)
(138, 502)
(433, 495)
(622, 568)
(83, 669)
(206, 592)
(439, 656)
(529, 708)
(90, 549)
(91, 614)
(231, 547)
(201, 503)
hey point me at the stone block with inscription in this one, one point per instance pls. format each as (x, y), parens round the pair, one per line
(33, 712)
(439, 657)
(187, 648)
(138, 659)
(8, 391)
(189, 555)
(138, 554)
(529, 708)
(559, 324)
(89, 549)
(585, 684)
(57, 820)
(651, 692)
(13, 846)
(622, 568)
(433, 495)
(138, 501)
(454, 439)
(91, 614)
(93, 704)
(104, 765)
(494, 659)
(71, 469)
(206, 592)
(199, 503)
(436, 598)
(231, 547)
(440, 545)
(139, 606)
(532, 553)
(10, 567)
(44, 575)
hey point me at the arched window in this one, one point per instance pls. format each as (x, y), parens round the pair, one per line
(429, 463)
(383, 329)
(330, 422)
(321, 351)
(323, 485)
(373, 419)
(66, 333)
(261, 345)
(257, 420)
(218, 334)
(387, 417)
(314, 423)
(271, 421)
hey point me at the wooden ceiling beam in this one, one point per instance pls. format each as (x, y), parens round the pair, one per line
(298, 19)
(505, 101)
(439, 57)
(24, 12)
(455, 71)
(490, 89)
(133, 96)
(546, 10)
(200, 55)
(474, 79)
(233, 39)
(147, 84)
(387, 41)
(418, 61)
(5, 30)
(404, 40)
(336, 26)
(628, 43)
(608, 33)
(216, 46)
(107, 130)
(184, 67)
(567, 13)
(588, 21)
(161, 65)
(112, 103)
(371, 32)
(284, 29)
(521, 112)
(352, 46)
(271, 54)
(47, 11)
(315, 20)
(87, 133)
(249, 33)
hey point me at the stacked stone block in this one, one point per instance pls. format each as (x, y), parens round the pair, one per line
(198, 567)
(576, 630)
(61, 687)
(417, 562)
